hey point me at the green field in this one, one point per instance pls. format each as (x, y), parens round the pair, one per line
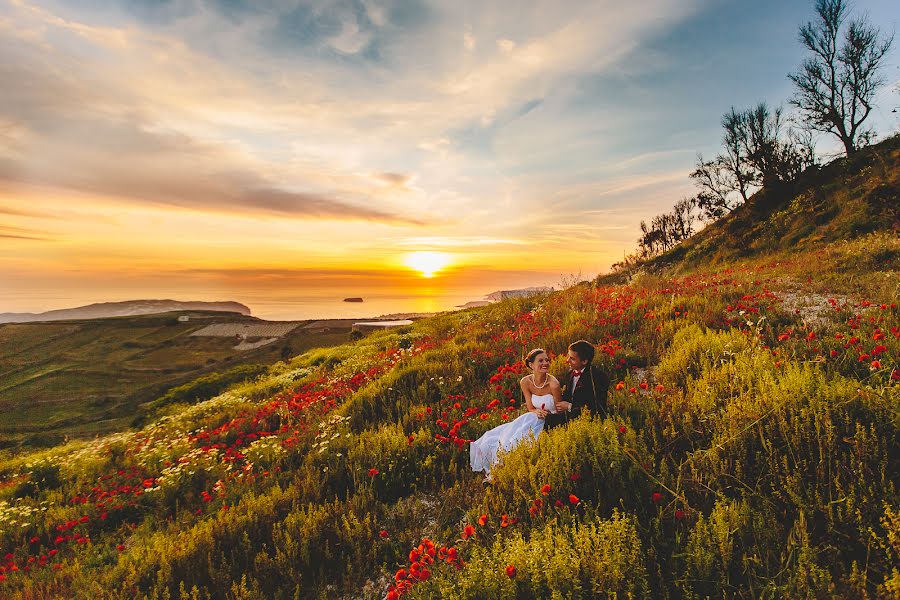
(75, 379)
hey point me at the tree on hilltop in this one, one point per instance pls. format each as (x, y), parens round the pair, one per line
(835, 86)
(759, 150)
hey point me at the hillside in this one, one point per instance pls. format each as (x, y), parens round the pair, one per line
(82, 377)
(843, 200)
(752, 451)
(129, 308)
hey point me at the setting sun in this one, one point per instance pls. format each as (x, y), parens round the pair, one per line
(428, 263)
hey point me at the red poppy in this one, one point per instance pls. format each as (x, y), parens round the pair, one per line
(545, 489)
(660, 388)
(504, 520)
(468, 532)
(383, 533)
(679, 514)
(632, 391)
(120, 547)
(510, 571)
(573, 499)
(657, 497)
(482, 520)
(620, 385)
(622, 429)
(373, 472)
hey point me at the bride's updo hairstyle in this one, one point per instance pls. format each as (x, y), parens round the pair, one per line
(533, 355)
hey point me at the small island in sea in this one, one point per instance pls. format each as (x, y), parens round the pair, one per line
(353, 299)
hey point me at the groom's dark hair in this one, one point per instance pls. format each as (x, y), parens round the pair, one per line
(584, 349)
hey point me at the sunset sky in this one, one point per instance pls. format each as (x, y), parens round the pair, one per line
(219, 150)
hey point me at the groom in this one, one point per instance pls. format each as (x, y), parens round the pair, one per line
(585, 386)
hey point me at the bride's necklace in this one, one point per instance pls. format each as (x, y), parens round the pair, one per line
(540, 387)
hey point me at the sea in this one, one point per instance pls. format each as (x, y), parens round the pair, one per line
(305, 307)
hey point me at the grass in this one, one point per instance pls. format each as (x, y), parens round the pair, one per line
(73, 379)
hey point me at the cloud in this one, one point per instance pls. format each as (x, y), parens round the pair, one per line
(394, 179)
(84, 128)
(20, 233)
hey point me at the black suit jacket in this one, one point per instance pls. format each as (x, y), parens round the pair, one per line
(591, 392)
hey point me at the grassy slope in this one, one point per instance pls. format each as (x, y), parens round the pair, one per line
(80, 378)
(758, 456)
(843, 200)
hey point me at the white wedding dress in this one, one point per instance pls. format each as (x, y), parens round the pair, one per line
(483, 451)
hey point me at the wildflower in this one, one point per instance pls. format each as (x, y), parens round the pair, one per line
(545, 489)
(383, 533)
(895, 375)
(876, 364)
(622, 429)
(632, 390)
(573, 499)
(657, 497)
(644, 385)
(510, 571)
(679, 514)
(468, 532)
(620, 385)
(504, 520)
(120, 547)
(373, 472)
(660, 388)
(482, 520)
(574, 476)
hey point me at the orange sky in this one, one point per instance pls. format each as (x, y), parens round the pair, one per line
(244, 151)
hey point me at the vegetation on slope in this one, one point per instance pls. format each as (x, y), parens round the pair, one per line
(752, 451)
(79, 378)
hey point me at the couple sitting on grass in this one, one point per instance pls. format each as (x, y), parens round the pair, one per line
(549, 403)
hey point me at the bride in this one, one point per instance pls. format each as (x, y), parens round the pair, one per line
(542, 393)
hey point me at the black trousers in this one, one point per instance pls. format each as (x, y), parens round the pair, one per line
(561, 418)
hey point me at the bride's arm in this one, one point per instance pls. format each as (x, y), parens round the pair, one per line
(556, 390)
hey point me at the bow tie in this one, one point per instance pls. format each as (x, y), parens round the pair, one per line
(577, 373)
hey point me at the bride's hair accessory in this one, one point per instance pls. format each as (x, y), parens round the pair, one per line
(533, 355)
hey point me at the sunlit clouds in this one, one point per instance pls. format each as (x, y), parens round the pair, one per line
(150, 144)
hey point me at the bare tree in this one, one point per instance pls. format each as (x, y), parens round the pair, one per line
(775, 152)
(836, 85)
(735, 157)
(683, 219)
(716, 182)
